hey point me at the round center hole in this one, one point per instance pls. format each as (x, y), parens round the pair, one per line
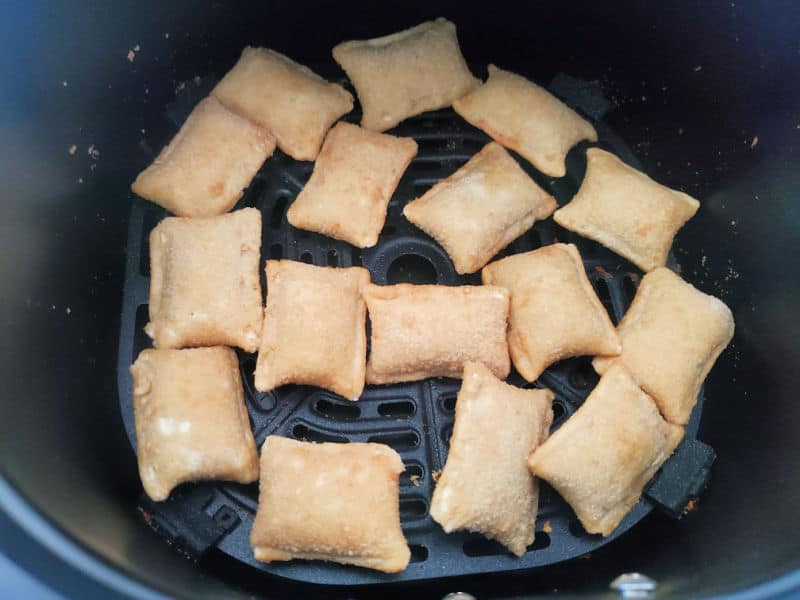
(411, 268)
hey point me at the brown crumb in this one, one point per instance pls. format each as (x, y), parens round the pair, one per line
(547, 528)
(414, 480)
(145, 515)
(131, 56)
(601, 270)
(754, 143)
(634, 277)
(690, 506)
(435, 475)
(586, 556)
(73, 149)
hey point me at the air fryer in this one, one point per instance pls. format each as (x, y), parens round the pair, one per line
(703, 97)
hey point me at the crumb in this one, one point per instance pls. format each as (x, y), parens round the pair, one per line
(698, 68)
(690, 506)
(547, 528)
(93, 152)
(678, 269)
(197, 80)
(64, 83)
(435, 475)
(586, 556)
(754, 143)
(73, 149)
(145, 515)
(68, 310)
(131, 56)
(136, 48)
(634, 277)
(80, 179)
(680, 130)
(600, 270)
(414, 480)
(142, 130)
(166, 36)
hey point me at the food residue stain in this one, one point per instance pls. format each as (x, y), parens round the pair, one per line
(435, 475)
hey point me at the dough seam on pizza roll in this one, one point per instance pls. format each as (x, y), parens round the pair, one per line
(485, 485)
(328, 501)
(421, 331)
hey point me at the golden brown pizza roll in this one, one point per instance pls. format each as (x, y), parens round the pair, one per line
(486, 485)
(205, 168)
(354, 178)
(481, 208)
(421, 331)
(626, 211)
(191, 422)
(290, 100)
(314, 328)
(337, 502)
(671, 336)
(204, 285)
(555, 312)
(406, 73)
(526, 118)
(602, 457)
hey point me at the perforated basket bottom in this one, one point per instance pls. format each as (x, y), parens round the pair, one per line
(416, 418)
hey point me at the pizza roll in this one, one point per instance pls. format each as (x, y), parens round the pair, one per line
(421, 331)
(555, 312)
(204, 285)
(290, 100)
(314, 328)
(603, 456)
(481, 208)
(337, 502)
(526, 118)
(205, 168)
(671, 336)
(486, 485)
(191, 422)
(354, 178)
(626, 211)
(406, 73)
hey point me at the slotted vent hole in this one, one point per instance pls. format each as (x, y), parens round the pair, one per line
(276, 251)
(419, 553)
(337, 410)
(333, 258)
(448, 402)
(397, 409)
(306, 257)
(308, 434)
(412, 508)
(405, 440)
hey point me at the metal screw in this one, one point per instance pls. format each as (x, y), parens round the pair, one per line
(459, 596)
(634, 585)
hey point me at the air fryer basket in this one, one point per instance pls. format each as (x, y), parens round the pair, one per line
(416, 418)
(706, 99)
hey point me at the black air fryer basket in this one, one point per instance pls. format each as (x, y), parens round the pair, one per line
(703, 98)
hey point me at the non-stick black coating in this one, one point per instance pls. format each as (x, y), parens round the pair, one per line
(707, 95)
